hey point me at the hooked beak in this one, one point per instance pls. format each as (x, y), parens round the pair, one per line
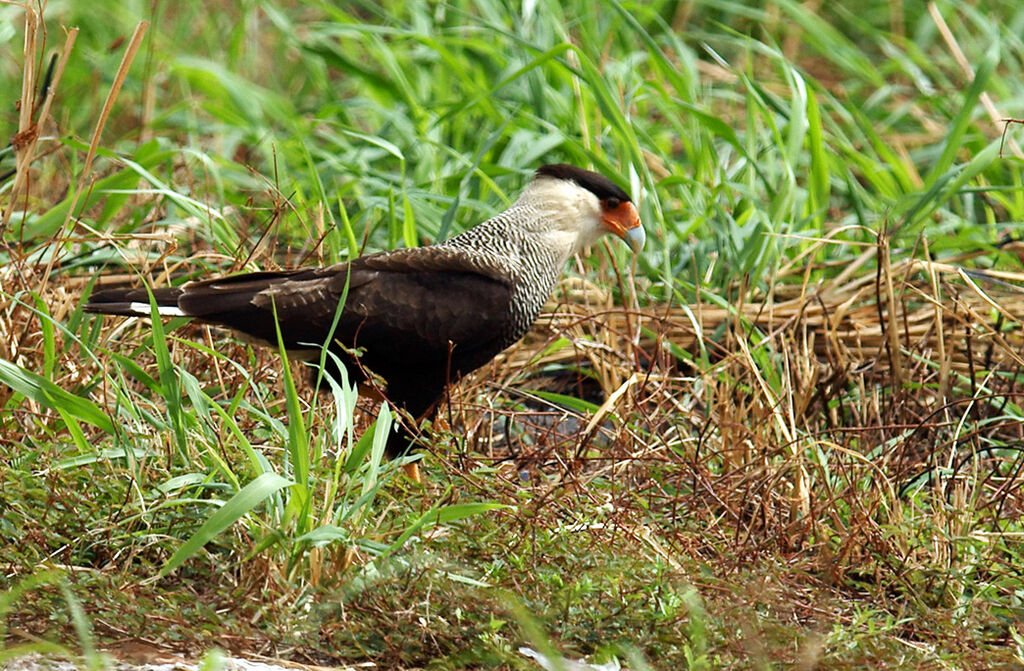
(624, 221)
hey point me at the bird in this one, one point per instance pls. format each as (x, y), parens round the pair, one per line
(411, 321)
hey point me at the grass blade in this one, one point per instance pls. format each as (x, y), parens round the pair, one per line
(233, 510)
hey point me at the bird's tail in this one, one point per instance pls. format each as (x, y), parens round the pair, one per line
(129, 302)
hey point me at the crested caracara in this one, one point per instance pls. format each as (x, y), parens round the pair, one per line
(418, 318)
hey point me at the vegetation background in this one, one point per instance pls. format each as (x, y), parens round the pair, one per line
(788, 436)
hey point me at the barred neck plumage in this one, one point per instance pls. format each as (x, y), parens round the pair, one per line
(511, 246)
(530, 243)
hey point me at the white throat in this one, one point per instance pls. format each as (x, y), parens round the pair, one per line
(566, 215)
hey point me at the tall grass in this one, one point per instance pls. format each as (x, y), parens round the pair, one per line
(817, 366)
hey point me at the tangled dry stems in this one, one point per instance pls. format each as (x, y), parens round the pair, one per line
(817, 417)
(867, 423)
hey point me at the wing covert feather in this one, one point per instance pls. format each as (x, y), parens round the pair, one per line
(401, 306)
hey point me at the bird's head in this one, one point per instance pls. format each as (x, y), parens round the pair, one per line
(579, 206)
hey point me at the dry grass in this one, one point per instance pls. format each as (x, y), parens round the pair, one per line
(830, 457)
(861, 430)
(816, 419)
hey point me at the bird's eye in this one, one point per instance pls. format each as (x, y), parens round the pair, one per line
(612, 203)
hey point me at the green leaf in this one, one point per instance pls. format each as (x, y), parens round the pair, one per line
(322, 535)
(298, 439)
(49, 395)
(442, 515)
(93, 457)
(48, 223)
(819, 175)
(233, 510)
(954, 138)
(168, 379)
(571, 402)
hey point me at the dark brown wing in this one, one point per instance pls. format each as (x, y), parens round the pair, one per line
(424, 322)
(421, 317)
(416, 308)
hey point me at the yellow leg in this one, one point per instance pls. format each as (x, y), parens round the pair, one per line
(413, 472)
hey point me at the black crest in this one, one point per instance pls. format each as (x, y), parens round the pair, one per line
(594, 182)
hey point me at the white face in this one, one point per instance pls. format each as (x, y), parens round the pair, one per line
(571, 215)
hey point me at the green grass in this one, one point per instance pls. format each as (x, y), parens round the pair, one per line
(751, 502)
